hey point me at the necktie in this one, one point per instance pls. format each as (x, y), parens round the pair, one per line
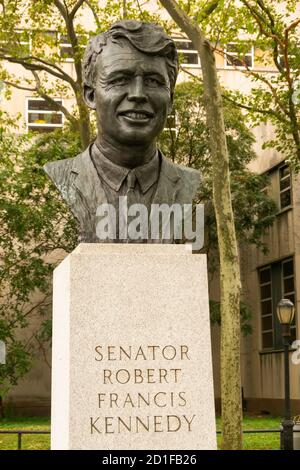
(131, 198)
(130, 193)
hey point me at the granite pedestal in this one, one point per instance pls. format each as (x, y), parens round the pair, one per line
(131, 361)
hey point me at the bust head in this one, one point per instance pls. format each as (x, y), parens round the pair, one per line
(129, 77)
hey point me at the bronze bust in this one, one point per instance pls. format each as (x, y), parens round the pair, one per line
(129, 77)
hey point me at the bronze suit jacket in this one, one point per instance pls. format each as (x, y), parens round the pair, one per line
(80, 186)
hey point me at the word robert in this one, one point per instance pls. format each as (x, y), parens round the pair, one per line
(141, 353)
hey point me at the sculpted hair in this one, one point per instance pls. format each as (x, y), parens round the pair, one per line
(148, 38)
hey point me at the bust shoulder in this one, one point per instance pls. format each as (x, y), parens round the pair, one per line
(190, 179)
(61, 172)
(189, 173)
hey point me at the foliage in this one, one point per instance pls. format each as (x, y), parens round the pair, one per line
(32, 34)
(253, 210)
(272, 28)
(36, 229)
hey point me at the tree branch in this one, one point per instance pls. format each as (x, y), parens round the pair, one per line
(18, 86)
(267, 11)
(262, 21)
(260, 77)
(207, 10)
(42, 66)
(42, 348)
(293, 25)
(254, 109)
(96, 17)
(52, 102)
(62, 8)
(270, 112)
(76, 8)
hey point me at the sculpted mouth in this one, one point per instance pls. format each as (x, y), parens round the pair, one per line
(136, 115)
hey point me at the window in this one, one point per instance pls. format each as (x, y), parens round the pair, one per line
(266, 307)
(43, 41)
(188, 56)
(42, 117)
(65, 47)
(234, 57)
(285, 186)
(276, 282)
(23, 42)
(19, 43)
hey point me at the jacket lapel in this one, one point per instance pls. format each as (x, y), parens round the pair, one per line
(167, 190)
(167, 186)
(87, 182)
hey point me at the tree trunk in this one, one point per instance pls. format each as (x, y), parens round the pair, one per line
(84, 123)
(229, 263)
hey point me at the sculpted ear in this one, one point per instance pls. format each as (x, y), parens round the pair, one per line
(89, 96)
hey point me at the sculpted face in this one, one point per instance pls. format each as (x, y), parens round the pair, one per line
(132, 95)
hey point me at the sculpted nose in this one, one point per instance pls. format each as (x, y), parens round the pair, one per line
(136, 90)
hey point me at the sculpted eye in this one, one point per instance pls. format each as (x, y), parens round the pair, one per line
(119, 81)
(151, 81)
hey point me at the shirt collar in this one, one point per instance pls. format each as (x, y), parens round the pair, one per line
(114, 175)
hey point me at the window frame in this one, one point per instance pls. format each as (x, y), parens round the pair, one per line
(25, 43)
(46, 111)
(288, 294)
(67, 44)
(262, 316)
(288, 188)
(28, 43)
(277, 293)
(236, 54)
(187, 51)
(61, 45)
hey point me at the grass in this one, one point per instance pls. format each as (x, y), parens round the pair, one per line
(268, 441)
(29, 442)
(260, 441)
